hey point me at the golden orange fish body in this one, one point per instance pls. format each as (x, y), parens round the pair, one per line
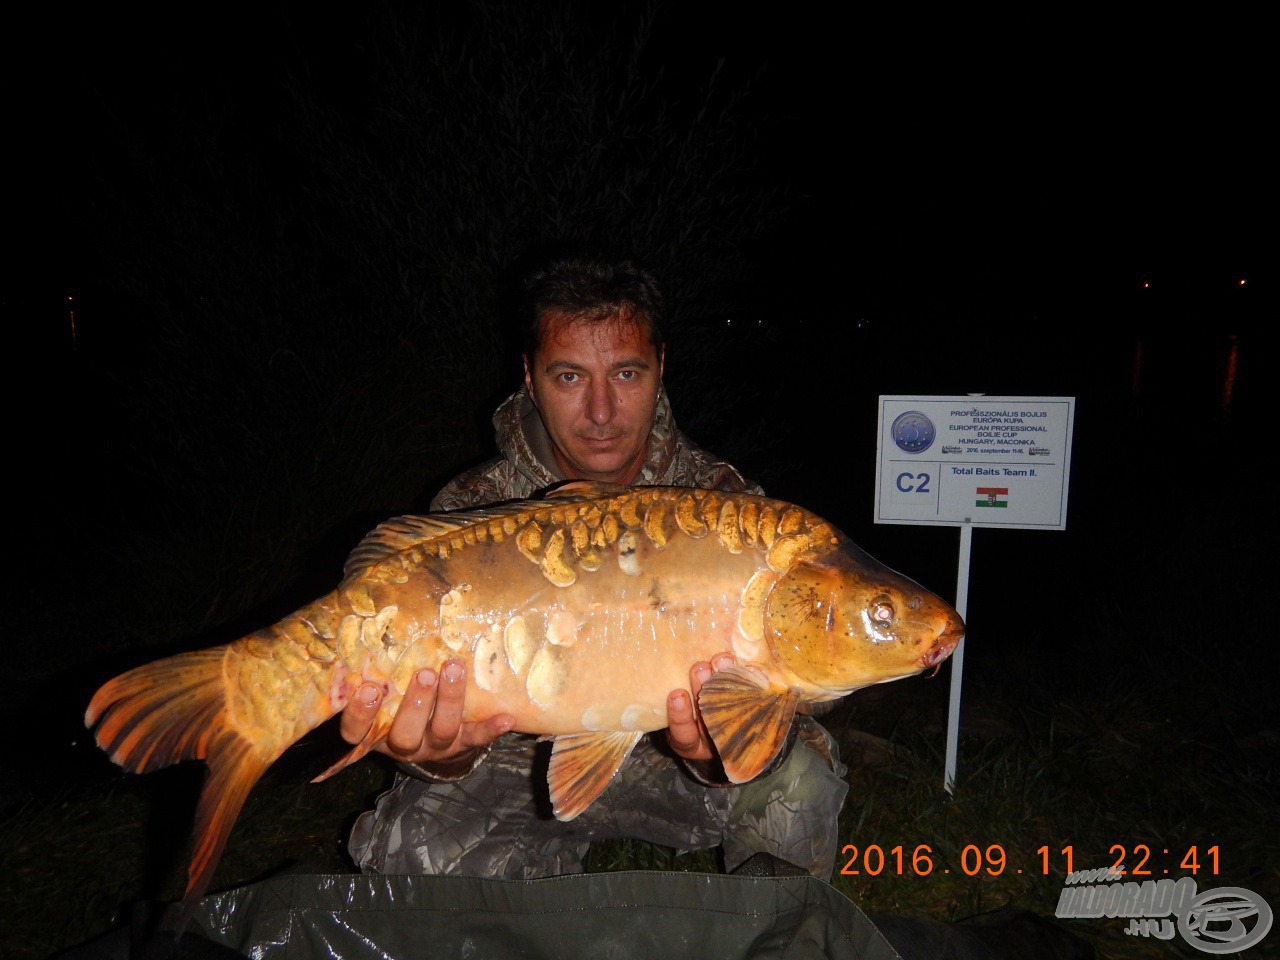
(577, 614)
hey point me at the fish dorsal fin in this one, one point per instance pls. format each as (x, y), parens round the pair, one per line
(747, 718)
(583, 764)
(401, 533)
(585, 489)
(393, 536)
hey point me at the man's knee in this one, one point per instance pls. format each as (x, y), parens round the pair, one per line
(793, 813)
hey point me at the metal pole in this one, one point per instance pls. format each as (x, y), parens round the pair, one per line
(957, 659)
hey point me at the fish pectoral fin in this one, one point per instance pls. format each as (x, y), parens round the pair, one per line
(748, 719)
(583, 764)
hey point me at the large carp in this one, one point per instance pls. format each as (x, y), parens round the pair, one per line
(576, 614)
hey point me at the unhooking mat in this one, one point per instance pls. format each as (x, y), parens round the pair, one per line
(602, 916)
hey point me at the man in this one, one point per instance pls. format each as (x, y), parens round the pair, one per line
(592, 408)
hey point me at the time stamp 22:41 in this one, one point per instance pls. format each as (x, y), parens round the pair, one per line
(873, 860)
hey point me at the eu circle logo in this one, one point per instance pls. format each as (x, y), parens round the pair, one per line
(913, 432)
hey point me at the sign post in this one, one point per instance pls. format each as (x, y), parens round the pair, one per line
(972, 461)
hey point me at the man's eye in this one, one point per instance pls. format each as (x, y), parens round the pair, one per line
(567, 377)
(626, 375)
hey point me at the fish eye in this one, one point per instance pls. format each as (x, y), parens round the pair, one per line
(877, 620)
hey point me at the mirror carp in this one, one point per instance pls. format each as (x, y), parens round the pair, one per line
(577, 614)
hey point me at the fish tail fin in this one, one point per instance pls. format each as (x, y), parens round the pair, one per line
(163, 712)
(176, 709)
(232, 773)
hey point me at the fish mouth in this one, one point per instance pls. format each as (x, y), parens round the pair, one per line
(940, 650)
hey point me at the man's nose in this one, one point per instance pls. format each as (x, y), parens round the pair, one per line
(601, 403)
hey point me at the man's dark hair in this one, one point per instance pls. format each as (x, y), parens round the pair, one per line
(590, 285)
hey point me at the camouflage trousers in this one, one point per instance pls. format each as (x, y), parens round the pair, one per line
(497, 821)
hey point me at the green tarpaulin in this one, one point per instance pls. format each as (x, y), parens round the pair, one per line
(639, 914)
(604, 915)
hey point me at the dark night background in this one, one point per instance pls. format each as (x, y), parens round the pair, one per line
(284, 279)
(282, 236)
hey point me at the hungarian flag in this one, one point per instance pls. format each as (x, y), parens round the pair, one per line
(992, 497)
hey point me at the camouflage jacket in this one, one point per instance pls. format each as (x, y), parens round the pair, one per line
(527, 464)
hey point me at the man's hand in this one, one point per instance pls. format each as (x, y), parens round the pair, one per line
(685, 731)
(428, 725)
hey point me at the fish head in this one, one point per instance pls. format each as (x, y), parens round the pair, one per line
(840, 620)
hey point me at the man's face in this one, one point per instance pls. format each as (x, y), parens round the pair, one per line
(596, 386)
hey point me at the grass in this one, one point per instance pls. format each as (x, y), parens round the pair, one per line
(1103, 724)
(1117, 702)
(1095, 769)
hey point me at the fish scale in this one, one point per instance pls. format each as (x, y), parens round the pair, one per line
(576, 614)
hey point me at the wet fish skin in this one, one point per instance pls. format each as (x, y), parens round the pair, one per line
(577, 615)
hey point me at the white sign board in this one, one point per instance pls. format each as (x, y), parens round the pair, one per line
(974, 460)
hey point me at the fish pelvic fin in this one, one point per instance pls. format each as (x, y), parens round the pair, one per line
(172, 710)
(748, 719)
(583, 765)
